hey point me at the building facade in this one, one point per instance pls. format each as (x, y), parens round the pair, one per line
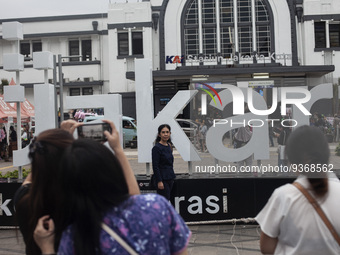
(289, 42)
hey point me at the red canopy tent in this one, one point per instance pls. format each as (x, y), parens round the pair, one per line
(27, 110)
(7, 110)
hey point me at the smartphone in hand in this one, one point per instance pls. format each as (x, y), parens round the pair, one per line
(94, 131)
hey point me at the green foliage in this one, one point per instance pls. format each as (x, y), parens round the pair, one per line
(15, 174)
(4, 82)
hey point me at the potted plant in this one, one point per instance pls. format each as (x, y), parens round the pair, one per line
(337, 150)
(329, 133)
(133, 142)
(13, 175)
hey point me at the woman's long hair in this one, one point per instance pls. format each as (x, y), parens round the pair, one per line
(91, 183)
(160, 130)
(308, 146)
(45, 152)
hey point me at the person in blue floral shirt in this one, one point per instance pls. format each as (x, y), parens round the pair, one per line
(94, 191)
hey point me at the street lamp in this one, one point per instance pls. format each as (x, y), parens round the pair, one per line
(61, 84)
(14, 62)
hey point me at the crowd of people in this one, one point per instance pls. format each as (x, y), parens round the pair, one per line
(328, 125)
(8, 143)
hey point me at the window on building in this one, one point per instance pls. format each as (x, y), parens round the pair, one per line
(334, 35)
(81, 47)
(74, 50)
(137, 43)
(327, 34)
(86, 50)
(207, 20)
(320, 34)
(87, 91)
(28, 47)
(25, 49)
(124, 44)
(36, 46)
(74, 91)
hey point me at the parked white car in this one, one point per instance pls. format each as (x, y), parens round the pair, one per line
(129, 128)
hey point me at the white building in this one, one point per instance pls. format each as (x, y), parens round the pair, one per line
(294, 42)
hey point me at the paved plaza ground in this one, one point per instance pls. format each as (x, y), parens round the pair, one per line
(205, 240)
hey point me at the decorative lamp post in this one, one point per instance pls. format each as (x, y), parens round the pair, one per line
(14, 62)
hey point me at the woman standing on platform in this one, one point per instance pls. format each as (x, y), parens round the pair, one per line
(289, 223)
(163, 162)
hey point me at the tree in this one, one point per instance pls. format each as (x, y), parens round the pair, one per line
(4, 82)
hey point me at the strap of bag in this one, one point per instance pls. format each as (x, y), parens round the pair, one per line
(318, 210)
(119, 239)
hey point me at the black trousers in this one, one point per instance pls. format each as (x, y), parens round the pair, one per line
(168, 184)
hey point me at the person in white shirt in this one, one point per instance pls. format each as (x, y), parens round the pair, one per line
(289, 223)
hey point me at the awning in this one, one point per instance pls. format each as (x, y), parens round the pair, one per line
(27, 109)
(8, 110)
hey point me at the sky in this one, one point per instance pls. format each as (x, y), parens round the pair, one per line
(41, 8)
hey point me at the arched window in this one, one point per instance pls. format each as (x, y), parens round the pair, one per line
(210, 25)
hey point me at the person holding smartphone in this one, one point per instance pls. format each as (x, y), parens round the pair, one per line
(38, 194)
(94, 195)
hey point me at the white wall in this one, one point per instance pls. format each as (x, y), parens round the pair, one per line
(317, 7)
(173, 30)
(124, 13)
(104, 67)
(311, 57)
(156, 2)
(129, 12)
(282, 27)
(62, 26)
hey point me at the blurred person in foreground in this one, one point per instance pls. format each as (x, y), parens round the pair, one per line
(93, 201)
(289, 223)
(38, 194)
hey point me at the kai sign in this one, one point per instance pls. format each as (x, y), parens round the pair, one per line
(173, 59)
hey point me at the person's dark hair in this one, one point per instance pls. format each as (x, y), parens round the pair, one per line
(45, 153)
(308, 146)
(91, 183)
(159, 132)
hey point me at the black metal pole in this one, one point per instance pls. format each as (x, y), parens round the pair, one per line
(61, 90)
